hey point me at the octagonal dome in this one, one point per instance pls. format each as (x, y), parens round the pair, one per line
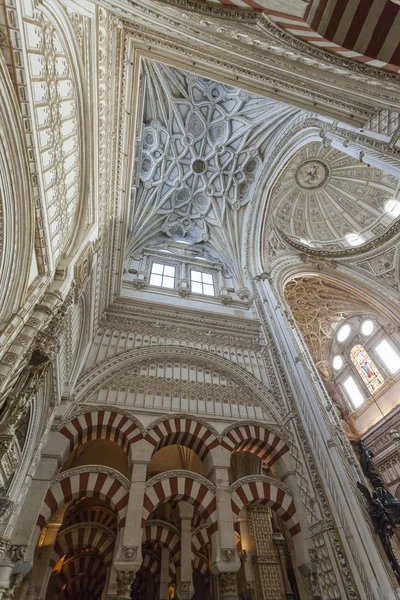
(326, 199)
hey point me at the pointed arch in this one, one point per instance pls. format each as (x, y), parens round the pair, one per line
(267, 491)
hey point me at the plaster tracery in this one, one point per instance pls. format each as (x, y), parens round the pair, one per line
(318, 306)
(202, 149)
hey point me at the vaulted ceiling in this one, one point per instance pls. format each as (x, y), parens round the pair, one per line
(203, 147)
(201, 150)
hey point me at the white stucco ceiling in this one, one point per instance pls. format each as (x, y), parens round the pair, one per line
(324, 199)
(198, 162)
(203, 147)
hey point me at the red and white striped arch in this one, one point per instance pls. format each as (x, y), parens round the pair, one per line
(201, 564)
(188, 488)
(81, 587)
(157, 533)
(200, 539)
(269, 494)
(256, 439)
(82, 574)
(184, 432)
(101, 425)
(85, 535)
(89, 483)
(89, 564)
(95, 515)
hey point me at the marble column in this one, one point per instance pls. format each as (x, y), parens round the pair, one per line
(267, 567)
(185, 589)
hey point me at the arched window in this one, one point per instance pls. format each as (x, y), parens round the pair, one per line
(366, 368)
(364, 358)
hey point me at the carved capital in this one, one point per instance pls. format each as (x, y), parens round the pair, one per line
(228, 583)
(124, 583)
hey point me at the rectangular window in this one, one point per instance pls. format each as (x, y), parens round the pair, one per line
(162, 275)
(389, 357)
(353, 392)
(202, 283)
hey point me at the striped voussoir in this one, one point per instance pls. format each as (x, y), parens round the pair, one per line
(182, 488)
(82, 587)
(89, 565)
(184, 432)
(101, 424)
(92, 515)
(261, 492)
(82, 536)
(200, 539)
(158, 534)
(252, 438)
(200, 563)
(92, 484)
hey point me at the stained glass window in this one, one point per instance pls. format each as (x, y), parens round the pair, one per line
(366, 368)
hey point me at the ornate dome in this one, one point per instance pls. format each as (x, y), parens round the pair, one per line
(328, 200)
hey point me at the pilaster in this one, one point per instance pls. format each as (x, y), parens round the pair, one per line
(267, 566)
(224, 555)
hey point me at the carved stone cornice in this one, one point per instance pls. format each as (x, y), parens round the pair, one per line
(347, 252)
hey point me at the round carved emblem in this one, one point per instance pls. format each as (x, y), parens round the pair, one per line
(312, 174)
(199, 166)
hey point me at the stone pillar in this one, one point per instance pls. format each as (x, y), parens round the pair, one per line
(247, 551)
(280, 544)
(164, 574)
(26, 530)
(224, 557)
(267, 568)
(128, 554)
(41, 572)
(185, 589)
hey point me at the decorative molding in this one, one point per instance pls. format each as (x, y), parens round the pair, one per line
(263, 479)
(184, 474)
(90, 469)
